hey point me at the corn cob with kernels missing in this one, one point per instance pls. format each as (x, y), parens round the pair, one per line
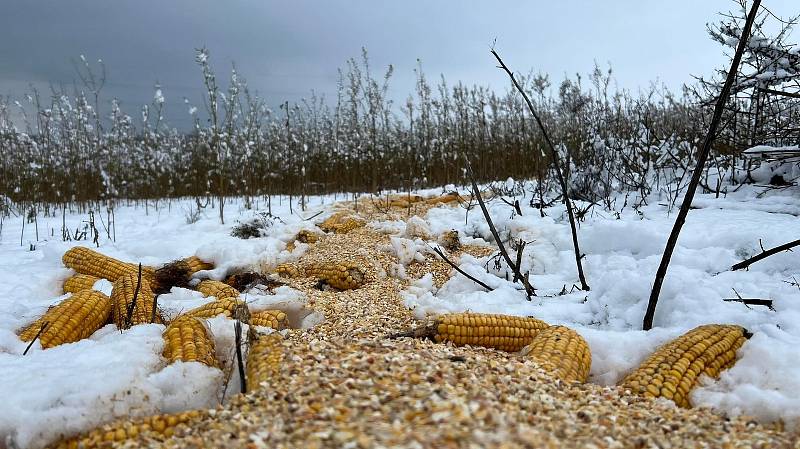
(341, 223)
(275, 319)
(675, 368)
(217, 289)
(196, 264)
(87, 261)
(503, 332)
(132, 307)
(290, 270)
(188, 339)
(306, 236)
(177, 273)
(450, 241)
(73, 319)
(156, 428)
(79, 282)
(339, 275)
(562, 352)
(264, 359)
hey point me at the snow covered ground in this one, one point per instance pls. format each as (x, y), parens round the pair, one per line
(77, 386)
(622, 255)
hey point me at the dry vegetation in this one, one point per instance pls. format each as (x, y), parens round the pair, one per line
(79, 147)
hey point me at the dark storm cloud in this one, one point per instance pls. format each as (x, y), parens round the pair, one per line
(286, 48)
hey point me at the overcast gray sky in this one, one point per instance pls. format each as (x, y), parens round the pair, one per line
(286, 48)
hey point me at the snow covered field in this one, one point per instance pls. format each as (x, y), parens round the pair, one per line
(622, 255)
(77, 386)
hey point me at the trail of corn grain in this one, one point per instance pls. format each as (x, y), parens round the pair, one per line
(342, 385)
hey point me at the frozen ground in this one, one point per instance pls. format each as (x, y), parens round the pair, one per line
(622, 255)
(78, 386)
(75, 387)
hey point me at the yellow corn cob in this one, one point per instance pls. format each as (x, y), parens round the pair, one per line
(306, 236)
(87, 261)
(449, 240)
(196, 264)
(341, 223)
(222, 306)
(675, 368)
(503, 332)
(264, 359)
(188, 339)
(122, 296)
(562, 352)
(217, 289)
(158, 428)
(79, 282)
(339, 275)
(177, 273)
(290, 270)
(452, 197)
(275, 319)
(73, 319)
(407, 198)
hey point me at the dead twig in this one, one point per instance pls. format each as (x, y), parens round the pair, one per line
(529, 290)
(556, 162)
(237, 330)
(672, 241)
(132, 306)
(764, 254)
(38, 334)
(467, 275)
(752, 302)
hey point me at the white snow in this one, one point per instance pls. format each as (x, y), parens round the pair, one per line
(621, 259)
(75, 387)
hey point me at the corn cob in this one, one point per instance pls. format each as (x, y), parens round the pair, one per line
(177, 273)
(451, 197)
(503, 332)
(188, 339)
(404, 201)
(79, 282)
(243, 281)
(275, 319)
(217, 289)
(562, 352)
(449, 240)
(341, 223)
(675, 368)
(196, 264)
(222, 306)
(157, 427)
(73, 319)
(122, 297)
(339, 275)
(290, 270)
(306, 236)
(264, 359)
(87, 261)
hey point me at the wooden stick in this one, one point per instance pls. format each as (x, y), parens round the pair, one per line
(129, 316)
(237, 330)
(38, 334)
(752, 302)
(556, 161)
(529, 290)
(672, 241)
(764, 254)
(449, 262)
